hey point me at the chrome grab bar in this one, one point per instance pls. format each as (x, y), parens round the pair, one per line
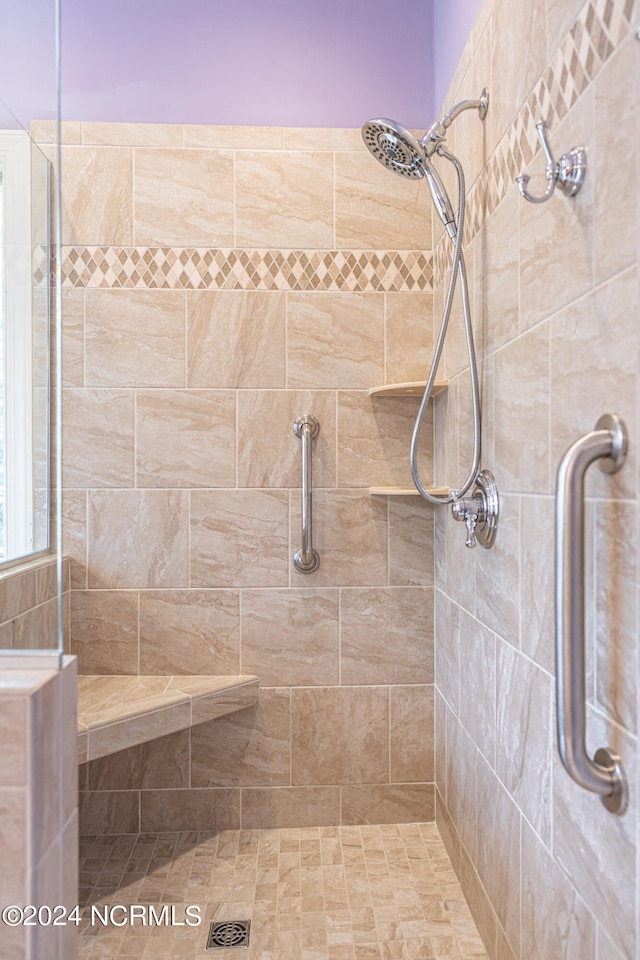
(604, 774)
(306, 560)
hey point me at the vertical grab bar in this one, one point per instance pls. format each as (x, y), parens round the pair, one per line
(604, 774)
(306, 560)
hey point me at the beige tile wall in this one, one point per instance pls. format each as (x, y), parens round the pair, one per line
(548, 872)
(38, 806)
(182, 472)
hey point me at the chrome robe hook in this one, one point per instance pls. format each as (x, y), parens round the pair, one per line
(568, 172)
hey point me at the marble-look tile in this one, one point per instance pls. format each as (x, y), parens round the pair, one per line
(290, 637)
(322, 138)
(162, 763)
(447, 649)
(46, 131)
(236, 339)
(132, 134)
(165, 810)
(479, 903)
(335, 340)
(462, 784)
(17, 593)
(408, 336)
(46, 767)
(521, 407)
(374, 439)
(441, 720)
(411, 547)
(549, 279)
(234, 693)
(357, 751)
(13, 741)
(386, 635)
(248, 748)
(68, 718)
(525, 736)
(411, 720)
(497, 274)
(596, 850)
(561, 15)
(593, 373)
(70, 882)
(97, 206)
(183, 198)
(189, 632)
(448, 833)
(72, 337)
(104, 631)
(232, 137)
(461, 564)
(276, 807)
(349, 533)
(149, 725)
(396, 803)
(537, 545)
(376, 210)
(74, 535)
(13, 836)
(134, 338)
(37, 629)
(616, 117)
(239, 538)
(500, 860)
(555, 920)
(97, 435)
(106, 812)
(284, 199)
(269, 452)
(148, 529)
(616, 616)
(518, 57)
(478, 683)
(498, 575)
(185, 438)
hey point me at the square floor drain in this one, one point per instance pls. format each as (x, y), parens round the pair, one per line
(227, 934)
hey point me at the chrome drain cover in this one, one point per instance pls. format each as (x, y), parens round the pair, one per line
(227, 934)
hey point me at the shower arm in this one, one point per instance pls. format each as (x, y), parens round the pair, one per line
(437, 132)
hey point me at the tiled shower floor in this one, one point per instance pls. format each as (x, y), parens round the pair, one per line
(324, 893)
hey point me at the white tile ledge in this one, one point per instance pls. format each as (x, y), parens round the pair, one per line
(116, 712)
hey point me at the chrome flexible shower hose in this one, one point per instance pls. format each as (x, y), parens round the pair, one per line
(457, 266)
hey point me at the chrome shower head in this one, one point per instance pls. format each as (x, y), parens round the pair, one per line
(394, 147)
(399, 151)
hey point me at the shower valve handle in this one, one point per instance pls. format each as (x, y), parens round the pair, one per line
(469, 511)
(479, 512)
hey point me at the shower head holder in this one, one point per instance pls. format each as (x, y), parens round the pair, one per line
(568, 172)
(437, 132)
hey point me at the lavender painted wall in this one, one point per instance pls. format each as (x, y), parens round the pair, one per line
(285, 62)
(27, 59)
(452, 23)
(282, 62)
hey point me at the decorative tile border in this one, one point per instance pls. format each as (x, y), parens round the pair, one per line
(600, 28)
(176, 268)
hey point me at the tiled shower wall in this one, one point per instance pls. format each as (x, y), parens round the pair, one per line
(220, 282)
(548, 872)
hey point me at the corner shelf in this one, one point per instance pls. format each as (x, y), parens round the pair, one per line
(411, 388)
(406, 491)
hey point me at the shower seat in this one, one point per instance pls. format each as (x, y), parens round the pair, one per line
(116, 712)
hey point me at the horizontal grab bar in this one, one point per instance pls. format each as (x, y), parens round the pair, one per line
(604, 774)
(306, 560)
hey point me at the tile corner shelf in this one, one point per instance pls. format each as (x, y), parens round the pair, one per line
(411, 388)
(406, 491)
(117, 712)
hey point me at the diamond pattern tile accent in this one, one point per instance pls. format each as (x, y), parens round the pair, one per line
(597, 32)
(198, 269)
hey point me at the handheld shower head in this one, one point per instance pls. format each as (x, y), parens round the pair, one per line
(399, 151)
(394, 147)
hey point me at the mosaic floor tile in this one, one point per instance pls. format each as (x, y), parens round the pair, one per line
(327, 893)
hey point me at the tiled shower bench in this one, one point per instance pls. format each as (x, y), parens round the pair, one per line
(116, 712)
